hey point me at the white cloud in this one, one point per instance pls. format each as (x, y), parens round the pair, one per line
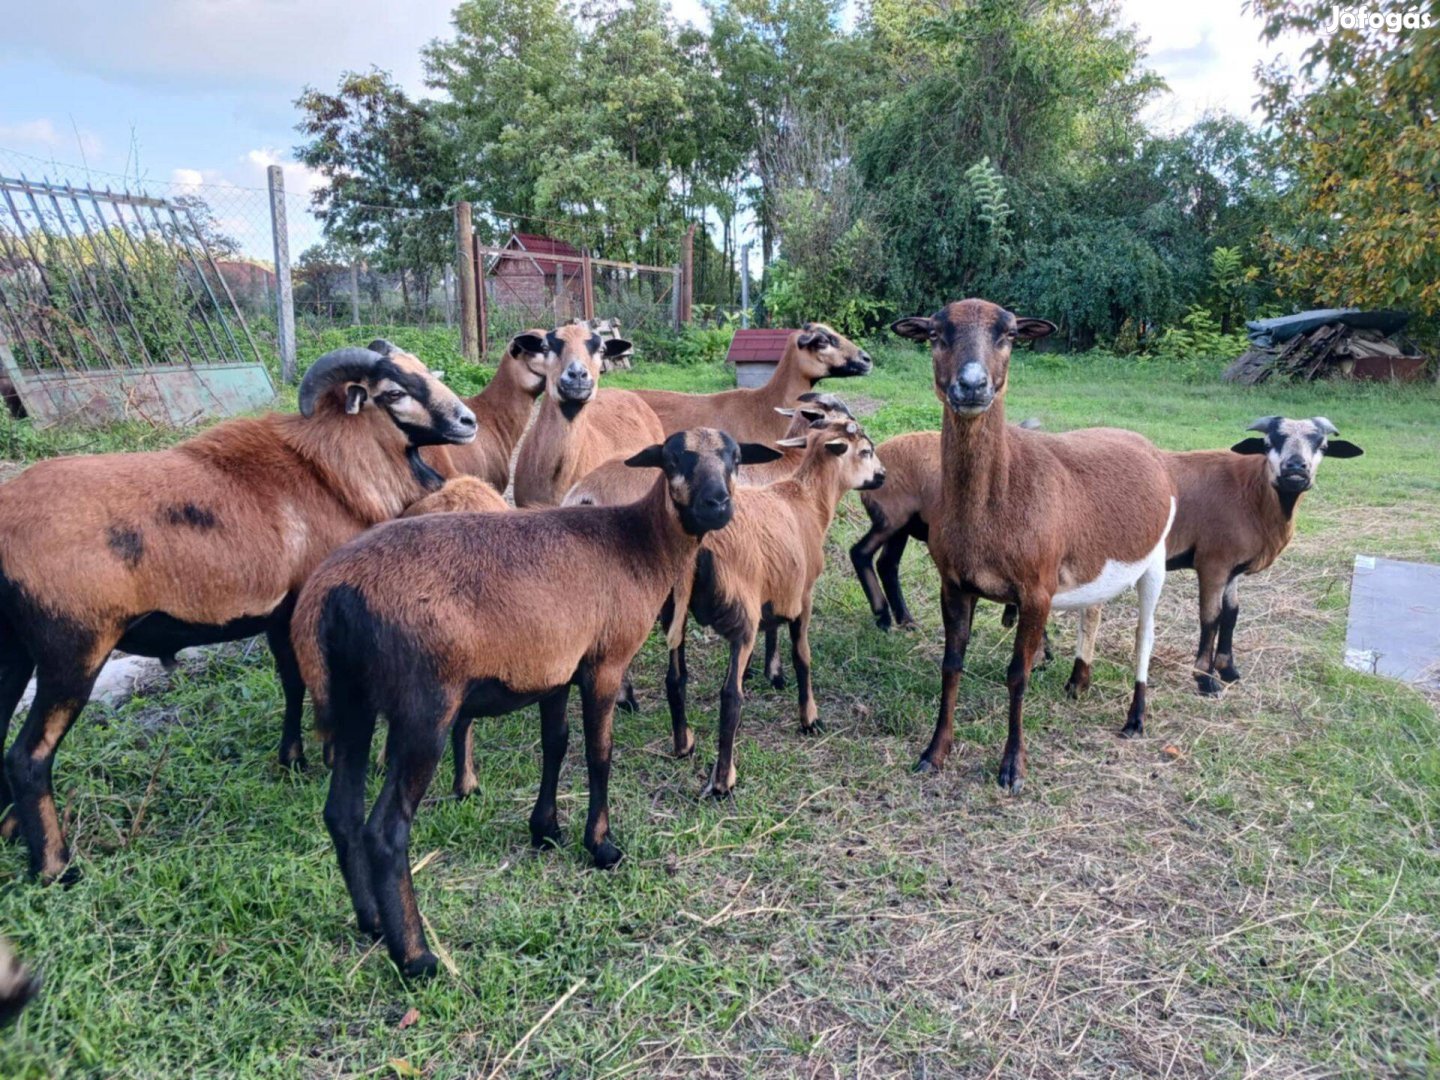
(298, 177)
(1207, 53)
(188, 180)
(43, 135)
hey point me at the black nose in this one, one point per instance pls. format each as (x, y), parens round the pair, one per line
(716, 502)
(466, 421)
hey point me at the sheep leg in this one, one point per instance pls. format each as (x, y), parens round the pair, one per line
(723, 775)
(862, 557)
(957, 610)
(16, 667)
(1029, 636)
(800, 652)
(1087, 630)
(292, 744)
(677, 678)
(599, 687)
(345, 805)
(1211, 592)
(1229, 613)
(554, 741)
(462, 750)
(626, 701)
(60, 694)
(1147, 590)
(890, 579)
(773, 669)
(413, 754)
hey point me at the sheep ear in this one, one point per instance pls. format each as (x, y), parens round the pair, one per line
(784, 411)
(652, 457)
(916, 328)
(1342, 448)
(795, 442)
(381, 346)
(617, 347)
(837, 446)
(757, 454)
(812, 414)
(1027, 329)
(355, 396)
(1250, 446)
(530, 343)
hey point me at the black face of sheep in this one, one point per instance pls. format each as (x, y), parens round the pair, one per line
(700, 467)
(419, 404)
(1293, 449)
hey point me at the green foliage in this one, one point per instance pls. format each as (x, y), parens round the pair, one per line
(1198, 341)
(1358, 133)
(704, 344)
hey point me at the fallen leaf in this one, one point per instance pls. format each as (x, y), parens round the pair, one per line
(403, 1068)
(411, 1015)
(1171, 751)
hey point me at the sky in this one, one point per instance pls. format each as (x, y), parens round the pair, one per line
(200, 92)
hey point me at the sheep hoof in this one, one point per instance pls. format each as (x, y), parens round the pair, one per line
(370, 927)
(423, 966)
(777, 681)
(1229, 674)
(688, 750)
(66, 878)
(548, 836)
(607, 856)
(814, 727)
(1133, 729)
(925, 767)
(1208, 685)
(465, 788)
(1012, 776)
(628, 704)
(882, 620)
(908, 624)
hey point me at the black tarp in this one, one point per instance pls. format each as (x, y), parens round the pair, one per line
(1267, 332)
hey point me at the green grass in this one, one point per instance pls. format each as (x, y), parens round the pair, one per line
(1251, 888)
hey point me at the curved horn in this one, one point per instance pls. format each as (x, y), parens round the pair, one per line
(342, 365)
(1325, 425)
(1263, 424)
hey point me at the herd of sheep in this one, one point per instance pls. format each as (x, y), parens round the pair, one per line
(367, 537)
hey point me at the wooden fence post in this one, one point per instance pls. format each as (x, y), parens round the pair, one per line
(687, 264)
(479, 294)
(284, 292)
(587, 287)
(354, 291)
(465, 264)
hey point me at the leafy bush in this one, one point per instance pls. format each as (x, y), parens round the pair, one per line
(1198, 339)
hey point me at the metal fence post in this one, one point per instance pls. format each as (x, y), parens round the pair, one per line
(744, 286)
(465, 264)
(675, 298)
(284, 293)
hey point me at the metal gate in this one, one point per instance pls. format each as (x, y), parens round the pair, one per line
(112, 307)
(517, 289)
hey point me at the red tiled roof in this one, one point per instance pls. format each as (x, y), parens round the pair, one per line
(758, 346)
(537, 246)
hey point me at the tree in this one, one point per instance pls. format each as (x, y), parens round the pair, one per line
(386, 177)
(1360, 137)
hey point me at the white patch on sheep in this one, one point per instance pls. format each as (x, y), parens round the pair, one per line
(1115, 576)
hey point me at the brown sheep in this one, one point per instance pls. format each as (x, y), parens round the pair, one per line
(579, 426)
(1235, 514)
(461, 494)
(205, 542)
(17, 986)
(501, 411)
(1027, 518)
(813, 353)
(761, 572)
(450, 615)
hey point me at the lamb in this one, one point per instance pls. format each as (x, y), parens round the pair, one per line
(613, 482)
(208, 541)
(761, 572)
(1235, 515)
(813, 353)
(900, 510)
(501, 411)
(461, 494)
(1028, 518)
(465, 615)
(579, 426)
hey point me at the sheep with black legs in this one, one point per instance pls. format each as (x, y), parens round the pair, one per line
(208, 541)
(1235, 514)
(466, 615)
(760, 573)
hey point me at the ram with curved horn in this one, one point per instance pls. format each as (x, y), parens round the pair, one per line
(205, 542)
